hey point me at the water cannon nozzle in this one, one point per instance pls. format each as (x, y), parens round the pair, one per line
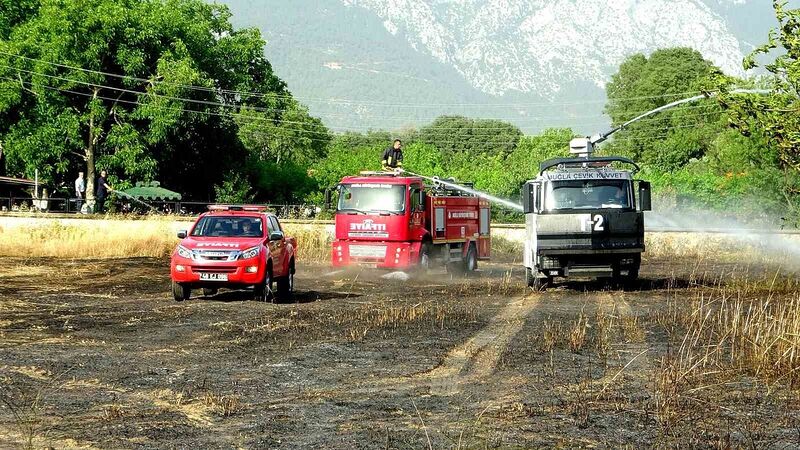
(583, 147)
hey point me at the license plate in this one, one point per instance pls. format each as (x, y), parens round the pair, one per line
(214, 276)
(368, 251)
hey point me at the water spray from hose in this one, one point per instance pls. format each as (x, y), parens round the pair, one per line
(483, 195)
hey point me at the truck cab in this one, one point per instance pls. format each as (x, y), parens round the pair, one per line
(584, 217)
(387, 220)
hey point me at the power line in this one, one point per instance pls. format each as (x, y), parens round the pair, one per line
(552, 139)
(263, 109)
(229, 114)
(130, 102)
(338, 101)
(225, 105)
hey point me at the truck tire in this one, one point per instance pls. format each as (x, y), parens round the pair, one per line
(181, 292)
(530, 278)
(208, 292)
(425, 256)
(535, 282)
(633, 272)
(286, 285)
(262, 292)
(471, 261)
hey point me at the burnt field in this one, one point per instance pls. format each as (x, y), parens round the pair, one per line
(96, 354)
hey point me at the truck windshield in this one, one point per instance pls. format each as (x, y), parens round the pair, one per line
(228, 226)
(588, 194)
(369, 198)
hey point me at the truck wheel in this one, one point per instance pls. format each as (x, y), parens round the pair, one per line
(425, 256)
(633, 272)
(263, 291)
(208, 292)
(530, 278)
(471, 261)
(181, 292)
(285, 287)
(535, 282)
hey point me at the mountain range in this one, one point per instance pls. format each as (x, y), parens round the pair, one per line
(391, 64)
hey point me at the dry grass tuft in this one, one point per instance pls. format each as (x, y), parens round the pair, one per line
(632, 329)
(551, 332)
(222, 405)
(113, 412)
(577, 333)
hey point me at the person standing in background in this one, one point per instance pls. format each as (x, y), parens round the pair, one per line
(103, 188)
(80, 190)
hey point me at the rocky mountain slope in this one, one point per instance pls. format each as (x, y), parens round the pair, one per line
(364, 64)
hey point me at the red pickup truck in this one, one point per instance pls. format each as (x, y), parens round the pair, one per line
(234, 247)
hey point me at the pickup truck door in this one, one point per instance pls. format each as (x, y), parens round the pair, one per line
(277, 246)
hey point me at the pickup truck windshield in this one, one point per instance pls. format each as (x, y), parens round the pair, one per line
(588, 194)
(372, 198)
(224, 226)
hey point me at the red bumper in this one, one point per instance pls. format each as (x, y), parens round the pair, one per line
(238, 273)
(390, 255)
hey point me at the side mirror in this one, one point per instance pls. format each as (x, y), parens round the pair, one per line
(645, 202)
(530, 194)
(275, 236)
(421, 204)
(328, 199)
(182, 234)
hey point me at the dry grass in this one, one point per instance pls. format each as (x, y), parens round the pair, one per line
(743, 331)
(353, 324)
(95, 239)
(577, 334)
(222, 405)
(781, 250)
(155, 237)
(117, 239)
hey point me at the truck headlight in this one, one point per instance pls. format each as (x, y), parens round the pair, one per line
(250, 253)
(184, 252)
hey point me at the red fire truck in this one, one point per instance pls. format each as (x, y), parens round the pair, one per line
(387, 220)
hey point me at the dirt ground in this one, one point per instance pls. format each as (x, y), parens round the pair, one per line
(96, 354)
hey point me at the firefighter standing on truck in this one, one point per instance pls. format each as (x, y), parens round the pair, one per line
(393, 156)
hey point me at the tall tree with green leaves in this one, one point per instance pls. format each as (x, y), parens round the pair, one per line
(670, 139)
(777, 115)
(463, 137)
(144, 88)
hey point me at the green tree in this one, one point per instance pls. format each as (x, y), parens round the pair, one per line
(145, 88)
(15, 12)
(775, 115)
(670, 139)
(294, 136)
(460, 137)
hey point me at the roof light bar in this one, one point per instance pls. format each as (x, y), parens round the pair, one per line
(372, 173)
(249, 208)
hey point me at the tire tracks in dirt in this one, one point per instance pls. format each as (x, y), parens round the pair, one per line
(469, 362)
(635, 356)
